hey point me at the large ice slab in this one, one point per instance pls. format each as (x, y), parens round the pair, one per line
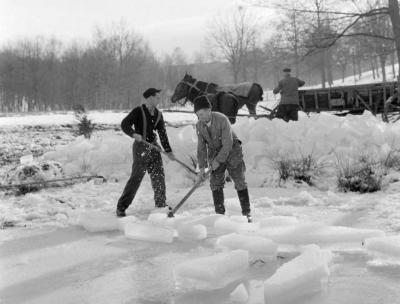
(277, 221)
(125, 220)
(188, 232)
(225, 225)
(299, 277)
(258, 247)
(145, 231)
(389, 245)
(314, 233)
(232, 206)
(239, 295)
(96, 221)
(212, 272)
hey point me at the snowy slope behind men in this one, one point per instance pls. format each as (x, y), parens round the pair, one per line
(145, 119)
(289, 89)
(219, 147)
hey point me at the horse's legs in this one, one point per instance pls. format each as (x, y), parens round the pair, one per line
(255, 95)
(228, 105)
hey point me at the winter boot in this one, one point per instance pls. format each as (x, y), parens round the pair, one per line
(218, 197)
(245, 203)
(120, 213)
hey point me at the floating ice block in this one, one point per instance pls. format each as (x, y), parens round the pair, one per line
(212, 272)
(277, 221)
(314, 233)
(126, 219)
(258, 247)
(225, 225)
(95, 221)
(389, 245)
(299, 277)
(239, 295)
(187, 232)
(145, 231)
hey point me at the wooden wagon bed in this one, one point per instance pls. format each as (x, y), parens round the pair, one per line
(354, 98)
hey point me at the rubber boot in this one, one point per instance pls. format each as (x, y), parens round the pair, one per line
(120, 213)
(245, 203)
(218, 198)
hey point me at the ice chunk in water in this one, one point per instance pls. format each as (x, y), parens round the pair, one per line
(226, 225)
(232, 206)
(389, 245)
(145, 231)
(187, 232)
(212, 272)
(301, 276)
(315, 233)
(275, 221)
(256, 292)
(239, 295)
(160, 219)
(258, 247)
(95, 221)
(127, 219)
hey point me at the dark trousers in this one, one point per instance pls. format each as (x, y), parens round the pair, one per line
(235, 167)
(144, 159)
(288, 112)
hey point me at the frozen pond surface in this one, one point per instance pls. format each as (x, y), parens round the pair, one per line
(73, 266)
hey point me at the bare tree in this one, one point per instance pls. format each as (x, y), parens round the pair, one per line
(353, 14)
(233, 35)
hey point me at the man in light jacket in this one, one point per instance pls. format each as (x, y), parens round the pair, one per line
(219, 148)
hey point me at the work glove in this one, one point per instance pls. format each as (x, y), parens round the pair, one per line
(137, 137)
(214, 165)
(201, 175)
(171, 156)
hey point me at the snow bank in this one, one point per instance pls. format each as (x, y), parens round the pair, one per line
(322, 135)
(301, 276)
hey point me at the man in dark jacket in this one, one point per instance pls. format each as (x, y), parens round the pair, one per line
(145, 119)
(289, 105)
(219, 148)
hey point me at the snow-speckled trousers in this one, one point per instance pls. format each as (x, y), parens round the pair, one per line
(144, 159)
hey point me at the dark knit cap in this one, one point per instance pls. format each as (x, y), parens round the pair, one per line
(150, 92)
(201, 102)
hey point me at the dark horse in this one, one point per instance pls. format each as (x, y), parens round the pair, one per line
(225, 102)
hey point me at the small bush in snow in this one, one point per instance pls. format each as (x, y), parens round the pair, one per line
(85, 125)
(391, 160)
(304, 168)
(361, 174)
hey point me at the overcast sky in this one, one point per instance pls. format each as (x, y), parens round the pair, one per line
(165, 24)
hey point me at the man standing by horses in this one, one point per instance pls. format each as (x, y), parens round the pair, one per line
(289, 88)
(146, 119)
(219, 147)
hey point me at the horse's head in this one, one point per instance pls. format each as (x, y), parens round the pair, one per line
(182, 89)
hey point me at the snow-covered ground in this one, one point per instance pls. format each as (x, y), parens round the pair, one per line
(50, 255)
